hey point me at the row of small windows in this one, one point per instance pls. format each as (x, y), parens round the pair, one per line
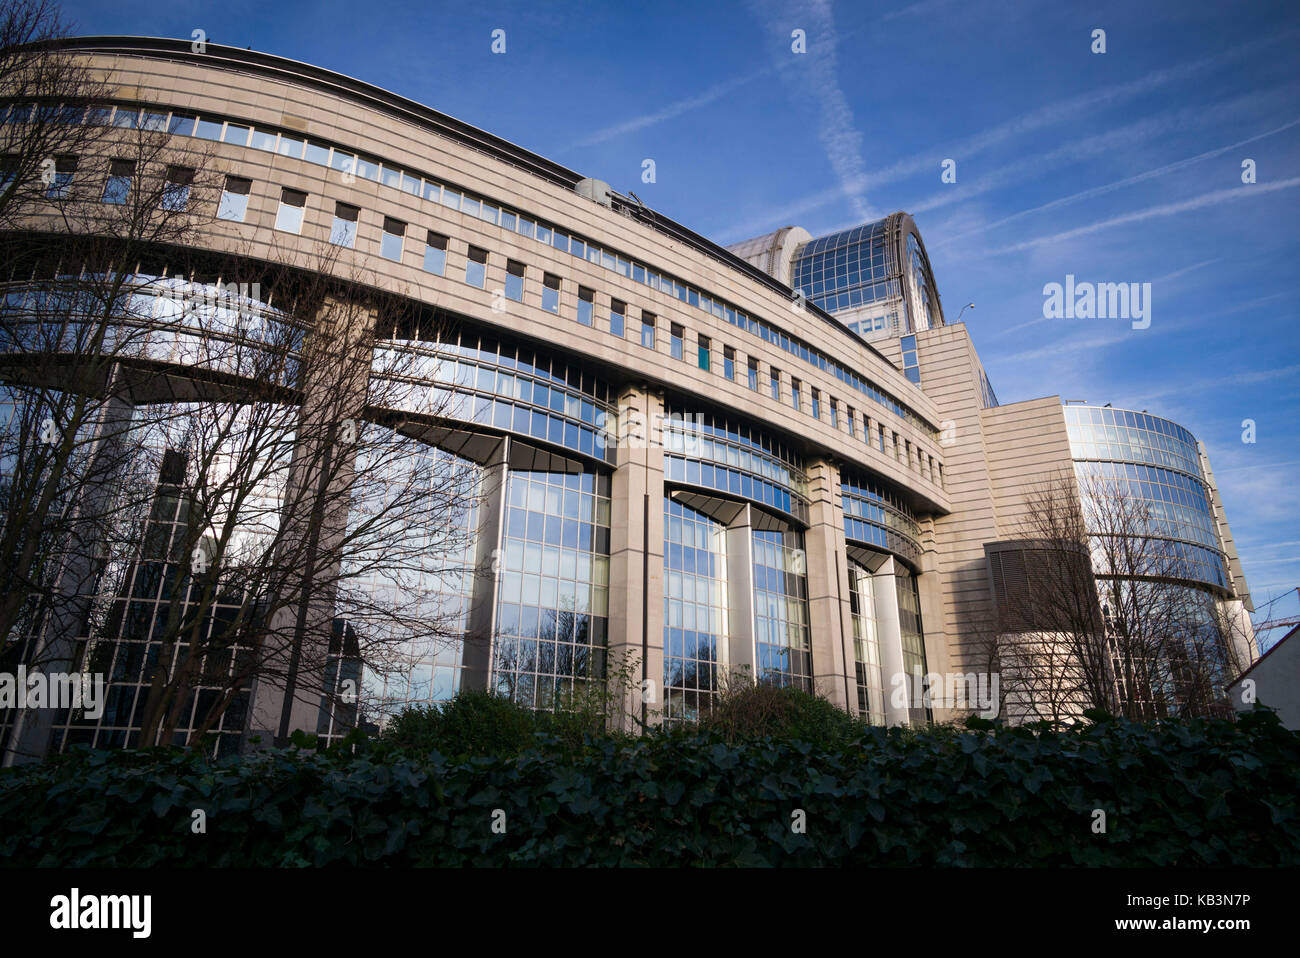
(435, 261)
(889, 441)
(343, 233)
(117, 184)
(233, 206)
(349, 163)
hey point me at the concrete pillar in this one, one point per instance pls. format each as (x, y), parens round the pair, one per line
(885, 592)
(929, 587)
(1240, 634)
(829, 612)
(291, 688)
(741, 654)
(636, 551)
(476, 656)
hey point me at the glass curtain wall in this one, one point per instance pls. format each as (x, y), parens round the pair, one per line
(782, 637)
(866, 645)
(695, 610)
(553, 606)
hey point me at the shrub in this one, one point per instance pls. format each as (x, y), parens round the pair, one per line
(746, 711)
(470, 724)
(1205, 792)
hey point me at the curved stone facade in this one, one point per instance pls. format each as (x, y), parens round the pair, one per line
(677, 454)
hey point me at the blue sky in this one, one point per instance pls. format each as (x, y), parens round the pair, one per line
(1117, 167)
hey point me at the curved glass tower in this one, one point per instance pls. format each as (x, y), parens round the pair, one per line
(1161, 541)
(875, 278)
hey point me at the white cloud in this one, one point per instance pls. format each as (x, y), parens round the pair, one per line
(1117, 184)
(1213, 198)
(813, 77)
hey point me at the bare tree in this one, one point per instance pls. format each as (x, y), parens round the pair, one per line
(1105, 614)
(311, 509)
(1046, 639)
(74, 348)
(263, 474)
(45, 94)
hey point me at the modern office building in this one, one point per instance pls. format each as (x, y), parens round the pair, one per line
(775, 458)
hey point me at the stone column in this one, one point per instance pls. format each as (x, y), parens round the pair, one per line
(929, 587)
(741, 653)
(289, 693)
(885, 593)
(829, 612)
(476, 657)
(636, 551)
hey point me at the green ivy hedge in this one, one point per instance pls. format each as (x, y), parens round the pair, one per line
(1181, 794)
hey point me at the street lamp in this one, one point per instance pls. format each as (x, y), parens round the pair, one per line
(963, 309)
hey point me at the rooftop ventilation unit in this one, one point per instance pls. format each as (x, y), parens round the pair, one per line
(597, 190)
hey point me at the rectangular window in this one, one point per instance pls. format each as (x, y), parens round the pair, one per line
(317, 153)
(368, 167)
(776, 384)
(675, 340)
(264, 141)
(835, 415)
(435, 253)
(343, 162)
(209, 129)
(514, 280)
(729, 362)
(118, 187)
(290, 146)
(910, 368)
(753, 374)
(704, 352)
(289, 216)
(586, 305)
(816, 403)
(476, 267)
(60, 187)
(234, 199)
(617, 310)
(344, 230)
(176, 191)
(181, 124)
(853, 428)
(647, 330)
(794, 394)
(390, 244)
(551, 293)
